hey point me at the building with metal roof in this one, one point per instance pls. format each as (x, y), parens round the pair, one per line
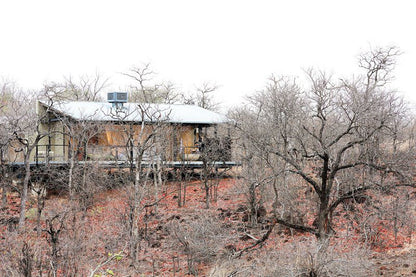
(133, 112)
(117, 132)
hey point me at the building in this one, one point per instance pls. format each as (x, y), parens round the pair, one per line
(121, 132)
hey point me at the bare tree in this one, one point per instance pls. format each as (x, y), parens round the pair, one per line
(78, 135)
(203, 97)
(214, 148)
(333, 140)
(146, 90)
(24, 125)
(83, 88)
(140, 138)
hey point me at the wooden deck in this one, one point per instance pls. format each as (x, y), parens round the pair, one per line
(124, 164)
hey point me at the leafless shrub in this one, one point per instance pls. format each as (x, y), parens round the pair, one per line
(305, 258)
(10, 247)
(20, 257)
(26, 260)
(88, 180)
(201, 239)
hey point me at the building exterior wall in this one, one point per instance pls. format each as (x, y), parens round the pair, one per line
(110, 141)
(89, 140)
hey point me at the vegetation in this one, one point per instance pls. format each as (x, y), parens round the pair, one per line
(325, 187)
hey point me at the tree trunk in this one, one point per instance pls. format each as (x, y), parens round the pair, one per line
(41, 205)
(70, 176)
(3, 181)
(204, 179)
(4, 196)
(252, 202)
(323, 224)
(179, 176)
(134, 210)
(206, 193)
(323, 216)
(23, 196)
(184, 189)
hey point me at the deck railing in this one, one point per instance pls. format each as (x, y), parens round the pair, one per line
(213, 149)
(62, 153)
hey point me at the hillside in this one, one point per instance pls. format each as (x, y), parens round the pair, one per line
(181, 241)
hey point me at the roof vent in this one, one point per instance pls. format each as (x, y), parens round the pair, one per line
(117, 98)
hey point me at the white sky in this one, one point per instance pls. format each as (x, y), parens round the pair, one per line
(235, 44)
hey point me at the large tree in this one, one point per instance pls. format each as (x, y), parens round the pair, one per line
(329, 143)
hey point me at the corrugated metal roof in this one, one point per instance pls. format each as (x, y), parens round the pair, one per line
(172, 113)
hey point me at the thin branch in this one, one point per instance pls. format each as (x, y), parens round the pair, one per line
(258, 241)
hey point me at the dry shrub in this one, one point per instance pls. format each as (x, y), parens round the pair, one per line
(202, 239)
(20, 256)
(303, 258)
